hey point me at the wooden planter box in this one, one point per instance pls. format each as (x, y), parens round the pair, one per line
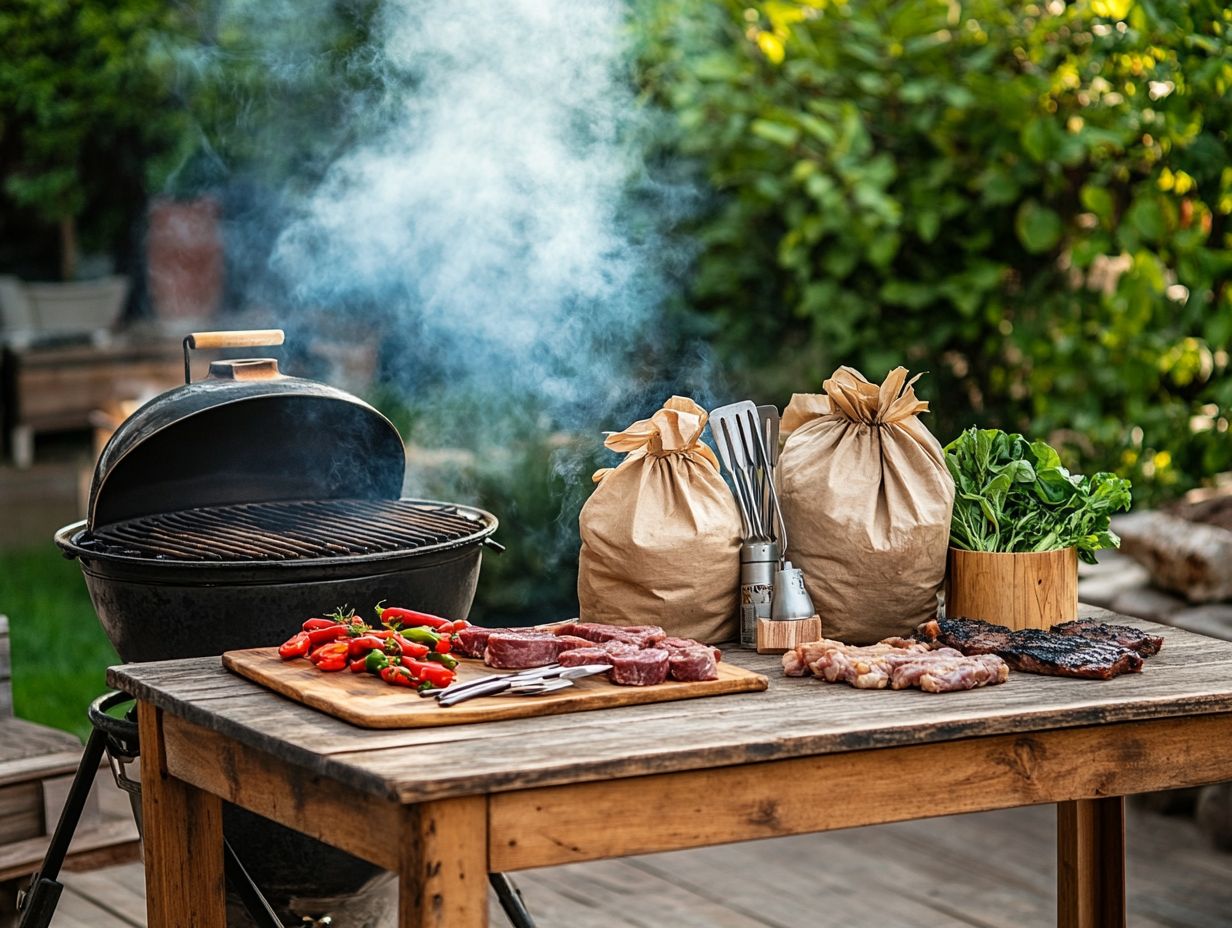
(1016, 590)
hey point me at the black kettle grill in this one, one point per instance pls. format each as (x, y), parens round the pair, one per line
(224, 512)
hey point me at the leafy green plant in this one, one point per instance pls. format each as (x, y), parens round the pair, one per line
(1030, 199)
(84, 104)
(1013, 495)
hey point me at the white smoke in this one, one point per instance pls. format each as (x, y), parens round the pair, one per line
(489, 209)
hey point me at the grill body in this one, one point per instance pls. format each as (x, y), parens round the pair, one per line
(200, 582)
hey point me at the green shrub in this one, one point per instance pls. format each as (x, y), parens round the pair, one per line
(84, 106)
(1031, 200)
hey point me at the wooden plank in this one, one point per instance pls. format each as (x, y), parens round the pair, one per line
(587, 821)
(292, 796)
(112, 842)
(793, 718)
(21, 740)
(182, 831)
(1091, 863)
(21, 811)
(365, 701)
(443, 877)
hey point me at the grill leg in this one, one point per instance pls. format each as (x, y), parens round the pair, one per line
(38, 903)
(511, 900)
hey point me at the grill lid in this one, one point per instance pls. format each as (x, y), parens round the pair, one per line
(247, 433)
(300, 530)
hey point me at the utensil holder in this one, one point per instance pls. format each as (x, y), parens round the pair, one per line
(774, 636)
(1032, 590)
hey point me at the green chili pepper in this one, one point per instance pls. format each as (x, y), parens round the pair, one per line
(447, 659)
(375, 662)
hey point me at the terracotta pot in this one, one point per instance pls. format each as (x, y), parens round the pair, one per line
(1016, 590)
(184, 258)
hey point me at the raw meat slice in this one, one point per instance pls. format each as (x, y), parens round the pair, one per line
(518, 650)
(646, 667)
(895, 663)
(471, 640)
(579, 656)
(671, 645)
(641, 635)
(691, 665)
(944, 670)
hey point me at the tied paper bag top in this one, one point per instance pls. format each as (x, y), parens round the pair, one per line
(866, 498)
(661, 532)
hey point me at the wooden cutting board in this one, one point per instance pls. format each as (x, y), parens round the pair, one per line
(363, 700)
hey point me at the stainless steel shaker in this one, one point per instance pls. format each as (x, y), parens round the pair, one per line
(759, 560)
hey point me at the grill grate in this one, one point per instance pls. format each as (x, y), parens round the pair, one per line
(286, 531)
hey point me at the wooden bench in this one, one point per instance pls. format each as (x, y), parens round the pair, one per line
(37, 764)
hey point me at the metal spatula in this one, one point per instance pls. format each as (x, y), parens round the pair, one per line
(731, 426)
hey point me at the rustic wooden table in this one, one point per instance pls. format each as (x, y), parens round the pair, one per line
(801, 757)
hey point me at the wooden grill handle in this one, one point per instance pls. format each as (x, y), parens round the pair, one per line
(247, 338)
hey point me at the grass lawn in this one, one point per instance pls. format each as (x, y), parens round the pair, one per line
(59, 651)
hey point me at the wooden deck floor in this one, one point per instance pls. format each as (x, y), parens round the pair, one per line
(992, 870)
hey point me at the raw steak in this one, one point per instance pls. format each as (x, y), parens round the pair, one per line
(641, 635)
(593, 653)
(1126, 636)
(672, 645)
(517, 650)
(646, 667)
(579, 656)
(1034, 650)
(473, 639)
(690, 665)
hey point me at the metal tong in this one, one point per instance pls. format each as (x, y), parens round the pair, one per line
(533, 682)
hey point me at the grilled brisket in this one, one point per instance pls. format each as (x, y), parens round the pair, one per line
(1034, 650)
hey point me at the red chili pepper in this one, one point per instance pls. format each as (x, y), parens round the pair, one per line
(359, 665)
(296, 646)
(399, 676)
(444, 646)
(391, 614)
(398, 645)
(434, 674)
(365, 643)
(319, 636)
(331, 657)
(313, 624)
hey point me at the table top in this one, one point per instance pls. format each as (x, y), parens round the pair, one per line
(795, 717)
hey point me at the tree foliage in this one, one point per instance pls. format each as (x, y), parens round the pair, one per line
(1032, 200)
(84, 104)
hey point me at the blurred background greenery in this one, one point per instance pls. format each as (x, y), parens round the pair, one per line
(1030, 201)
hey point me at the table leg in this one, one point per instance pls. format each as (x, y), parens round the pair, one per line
(444, 879)
(182, 838)
(1091, 863)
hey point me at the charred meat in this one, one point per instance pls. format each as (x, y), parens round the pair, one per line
(1034, 650)
(1125, 636)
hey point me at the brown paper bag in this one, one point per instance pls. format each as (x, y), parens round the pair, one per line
(866, 498)
(661, 532)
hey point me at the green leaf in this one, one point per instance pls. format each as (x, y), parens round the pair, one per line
(1147, 217)
(1038, 227)
(776, 132)
(1098, 200)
